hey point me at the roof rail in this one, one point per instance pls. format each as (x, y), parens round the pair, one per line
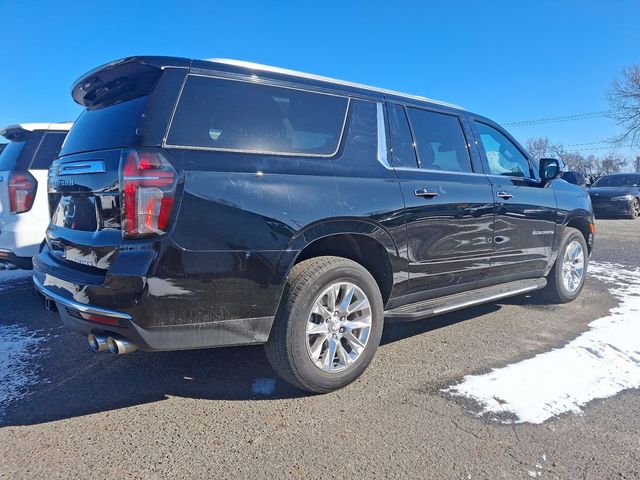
(311, 76)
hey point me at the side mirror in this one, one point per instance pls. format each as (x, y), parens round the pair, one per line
(551, 168)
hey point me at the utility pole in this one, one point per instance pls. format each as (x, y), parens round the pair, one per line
(637, 164)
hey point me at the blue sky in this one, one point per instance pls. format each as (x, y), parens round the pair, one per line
(508, 60)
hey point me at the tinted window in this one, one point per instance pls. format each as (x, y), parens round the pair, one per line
(617, 181)
(232, 115)
(440, 142)
(503, 156)
(402, 152)
(10, 155)
(48, 150)
(102, 128)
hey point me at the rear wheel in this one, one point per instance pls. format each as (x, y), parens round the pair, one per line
(566, 279)
(328, 326)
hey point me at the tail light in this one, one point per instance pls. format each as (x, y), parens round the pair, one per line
(148, 186)
(22, 191)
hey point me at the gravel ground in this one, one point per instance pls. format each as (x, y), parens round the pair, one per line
(222, 413)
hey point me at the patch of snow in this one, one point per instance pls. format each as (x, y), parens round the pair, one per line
(18, 346)
(597, 364)
(263, 386)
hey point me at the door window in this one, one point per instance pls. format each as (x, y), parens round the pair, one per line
(503, 157)
(440, 142)
(402, 152)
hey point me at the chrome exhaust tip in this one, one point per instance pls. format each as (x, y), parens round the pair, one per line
(120, 346)
(97, 343)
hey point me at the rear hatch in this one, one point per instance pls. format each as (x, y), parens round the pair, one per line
(113, 183)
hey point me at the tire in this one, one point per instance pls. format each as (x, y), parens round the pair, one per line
(557, 290)
(634, 209)
(290, 348)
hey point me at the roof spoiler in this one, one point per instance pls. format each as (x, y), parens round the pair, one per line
(20, 131)
(122, 80)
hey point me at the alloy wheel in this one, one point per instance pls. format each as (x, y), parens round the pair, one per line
(573, 266)
(338, 327)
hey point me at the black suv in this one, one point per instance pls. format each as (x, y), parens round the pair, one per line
(210, 203)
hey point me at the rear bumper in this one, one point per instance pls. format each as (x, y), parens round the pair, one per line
(163, 298)
(10, 257)
(22, 234)
(245, 331)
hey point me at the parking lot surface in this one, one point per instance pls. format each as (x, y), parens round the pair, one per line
(67, 412)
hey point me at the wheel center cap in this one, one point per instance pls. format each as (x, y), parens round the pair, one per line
(334, 324)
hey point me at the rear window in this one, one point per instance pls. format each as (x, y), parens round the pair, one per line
(10, 154)
(242, 116)
(113, 126)
(47, 151)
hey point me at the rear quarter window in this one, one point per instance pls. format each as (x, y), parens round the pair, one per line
(241, 116)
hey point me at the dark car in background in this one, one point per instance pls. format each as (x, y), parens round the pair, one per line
(616, 195)
(211, 203)
(576, 178)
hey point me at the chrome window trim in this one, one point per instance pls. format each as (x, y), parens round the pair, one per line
(382, 136)
(256, 152)
(446, 172)
(311, 76)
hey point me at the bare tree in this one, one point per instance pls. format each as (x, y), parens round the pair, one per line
(590, 165)
(575, 162)
(542, 147)
(611, 164)
(624, 98)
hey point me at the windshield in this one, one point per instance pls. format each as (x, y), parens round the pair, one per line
(10, 155)
(617, 181)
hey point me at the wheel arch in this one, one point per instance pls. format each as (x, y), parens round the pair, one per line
(583, 225)
(366, 243)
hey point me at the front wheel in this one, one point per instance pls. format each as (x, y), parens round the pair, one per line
(328, 326)
(634, 209)
(566, 279)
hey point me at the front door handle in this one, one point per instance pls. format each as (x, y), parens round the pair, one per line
(425, 192)
(503, 194)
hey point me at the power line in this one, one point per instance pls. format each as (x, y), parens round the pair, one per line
(586, 144)
(610, 147)
(560, 119)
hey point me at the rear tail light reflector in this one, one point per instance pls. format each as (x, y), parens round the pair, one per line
(22, 191)
(148, 186)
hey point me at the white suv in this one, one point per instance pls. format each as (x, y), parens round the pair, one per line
(24, 209)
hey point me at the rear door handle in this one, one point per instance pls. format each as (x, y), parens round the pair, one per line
(425, 192)
(503, 194)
